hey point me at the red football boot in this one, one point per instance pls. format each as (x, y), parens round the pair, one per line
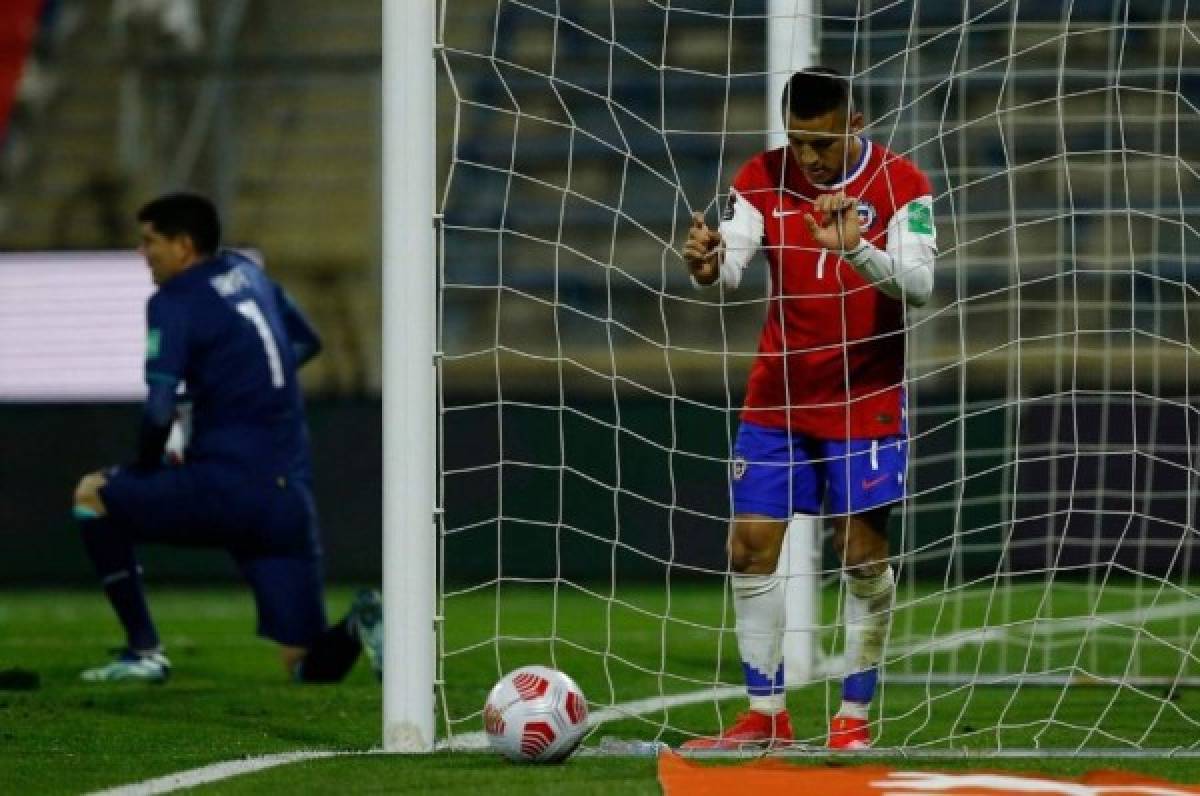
(849, 733)
(751, 730)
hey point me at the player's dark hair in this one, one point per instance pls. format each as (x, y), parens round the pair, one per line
(815, 92)
(188, 214)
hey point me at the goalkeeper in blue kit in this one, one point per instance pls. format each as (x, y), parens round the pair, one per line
(220, 326)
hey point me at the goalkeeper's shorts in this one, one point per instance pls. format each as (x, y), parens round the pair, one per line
(778, 473)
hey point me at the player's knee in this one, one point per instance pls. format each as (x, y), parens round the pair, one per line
(838, 540)
(744, 561)
(863, 559)
(862, 551)
(751, 555)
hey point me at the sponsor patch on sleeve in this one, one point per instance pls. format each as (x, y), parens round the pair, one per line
(920, 218)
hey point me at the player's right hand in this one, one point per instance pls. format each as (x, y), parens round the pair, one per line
(173, 451)
(701, 251)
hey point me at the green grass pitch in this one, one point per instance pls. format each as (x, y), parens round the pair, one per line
(228, 698)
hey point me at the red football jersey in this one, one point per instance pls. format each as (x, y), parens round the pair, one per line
(830, 358)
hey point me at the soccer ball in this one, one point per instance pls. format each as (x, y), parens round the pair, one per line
(535, 715)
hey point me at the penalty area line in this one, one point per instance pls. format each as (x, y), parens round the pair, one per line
(215, 772)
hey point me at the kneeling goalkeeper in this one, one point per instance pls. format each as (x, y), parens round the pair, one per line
(218, 324)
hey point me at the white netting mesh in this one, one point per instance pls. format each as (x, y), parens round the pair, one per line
(590, 395)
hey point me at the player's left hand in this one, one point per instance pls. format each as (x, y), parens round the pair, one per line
(837, 228)
(87, 494)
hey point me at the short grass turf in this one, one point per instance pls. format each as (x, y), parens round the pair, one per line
(228, 697)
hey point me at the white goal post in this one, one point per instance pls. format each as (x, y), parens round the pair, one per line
(409, 405)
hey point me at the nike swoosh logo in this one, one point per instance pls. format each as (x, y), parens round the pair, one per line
(874, 482)
(777, 214)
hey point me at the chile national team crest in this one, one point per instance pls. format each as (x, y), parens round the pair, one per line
(866, 214)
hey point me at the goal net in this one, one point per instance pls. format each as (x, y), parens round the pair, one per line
(589, 395)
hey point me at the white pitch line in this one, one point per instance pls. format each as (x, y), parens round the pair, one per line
(1046, 625)
(213, 773)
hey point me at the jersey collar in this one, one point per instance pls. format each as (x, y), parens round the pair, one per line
(855, 172)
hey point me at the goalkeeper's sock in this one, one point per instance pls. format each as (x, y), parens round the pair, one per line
(868, 611)
(758, 602)
(331, 656)
(112, 556)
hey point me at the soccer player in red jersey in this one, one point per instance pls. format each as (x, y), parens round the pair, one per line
(847, 230)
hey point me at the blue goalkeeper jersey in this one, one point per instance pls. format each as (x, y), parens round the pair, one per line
(231, 334)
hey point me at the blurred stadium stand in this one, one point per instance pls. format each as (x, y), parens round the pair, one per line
(270, 106)
(588, 133)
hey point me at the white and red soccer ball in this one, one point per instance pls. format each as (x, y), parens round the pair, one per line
(535, 715)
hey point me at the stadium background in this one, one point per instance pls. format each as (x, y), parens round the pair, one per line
(273, 108)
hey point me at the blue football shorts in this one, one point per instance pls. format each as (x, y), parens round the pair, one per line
(268, 526)
(778, 473)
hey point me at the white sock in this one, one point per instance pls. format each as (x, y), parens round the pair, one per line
(758, 602)
(868, 616)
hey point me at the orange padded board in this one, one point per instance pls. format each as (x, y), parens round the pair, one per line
(767, 777)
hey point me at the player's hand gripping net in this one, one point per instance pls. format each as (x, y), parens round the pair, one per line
(701, 252)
